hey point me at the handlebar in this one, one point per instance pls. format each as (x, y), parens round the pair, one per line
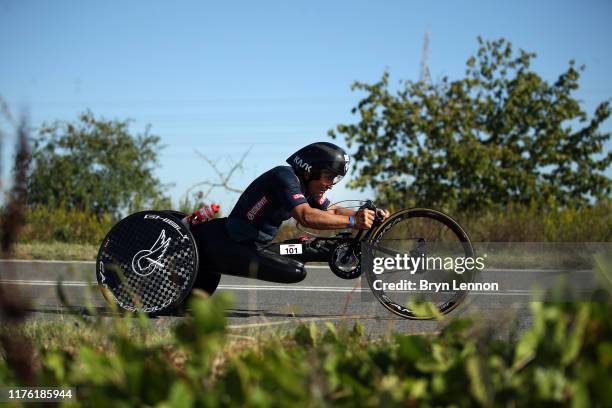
(369, 205)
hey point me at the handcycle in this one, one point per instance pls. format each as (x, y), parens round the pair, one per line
(149, 260)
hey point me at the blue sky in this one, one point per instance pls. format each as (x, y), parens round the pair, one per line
(223, 77)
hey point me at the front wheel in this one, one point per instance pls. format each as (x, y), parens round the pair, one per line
(428, 251)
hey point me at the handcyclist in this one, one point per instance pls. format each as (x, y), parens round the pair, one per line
(241, 243)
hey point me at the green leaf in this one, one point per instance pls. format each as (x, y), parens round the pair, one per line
(479, 386)
(181, 395)
(303, 335)
(572, 347)
(358, 330)
(526, 348)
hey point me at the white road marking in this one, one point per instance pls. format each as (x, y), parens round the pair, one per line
(57, 261)
(44, 283)
(228, 287)
(292, 288)
(325, 267)
(288, 288)
(51, 261)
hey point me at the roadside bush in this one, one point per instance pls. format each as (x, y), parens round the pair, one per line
(530, 224)
(45, 225)
(516, 223)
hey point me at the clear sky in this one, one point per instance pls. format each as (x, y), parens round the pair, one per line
(223, 77)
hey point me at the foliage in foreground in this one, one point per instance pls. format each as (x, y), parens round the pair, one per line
(565, 357)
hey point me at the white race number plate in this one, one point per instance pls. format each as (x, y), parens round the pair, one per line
(291, 249)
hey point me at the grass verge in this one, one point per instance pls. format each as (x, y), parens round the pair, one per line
(53, 250)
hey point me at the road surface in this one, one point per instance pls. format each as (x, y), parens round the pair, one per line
(320, 297)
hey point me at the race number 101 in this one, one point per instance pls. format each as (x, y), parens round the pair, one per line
(291, 249)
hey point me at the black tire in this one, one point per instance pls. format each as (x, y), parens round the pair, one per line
(427, 234)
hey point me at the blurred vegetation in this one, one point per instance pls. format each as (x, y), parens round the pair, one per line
(564, 358)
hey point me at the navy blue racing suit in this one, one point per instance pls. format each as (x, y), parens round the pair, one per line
(240, 244)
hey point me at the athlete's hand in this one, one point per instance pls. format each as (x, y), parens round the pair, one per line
(364, 219)
(382, 213)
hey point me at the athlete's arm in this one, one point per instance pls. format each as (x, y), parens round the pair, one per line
(340, 211)
(318, 219)
(347, 211)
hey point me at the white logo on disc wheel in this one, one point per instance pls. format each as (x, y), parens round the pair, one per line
(147, 261)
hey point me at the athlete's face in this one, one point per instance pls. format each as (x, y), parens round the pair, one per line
(320, 186)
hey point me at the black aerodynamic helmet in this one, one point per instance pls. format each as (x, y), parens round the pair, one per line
(320, 156)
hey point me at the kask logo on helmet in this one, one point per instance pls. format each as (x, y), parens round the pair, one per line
(302, 164)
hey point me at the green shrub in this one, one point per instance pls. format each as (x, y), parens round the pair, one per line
(515, 223)
(54, 250)
(531, 224)
(44, 225)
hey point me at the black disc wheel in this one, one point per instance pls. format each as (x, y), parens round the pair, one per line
(148, 262)
(417, 263)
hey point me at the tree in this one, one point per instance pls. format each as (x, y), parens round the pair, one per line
(500, 135)
(95, 165)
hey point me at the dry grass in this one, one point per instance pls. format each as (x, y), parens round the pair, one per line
(53, 250)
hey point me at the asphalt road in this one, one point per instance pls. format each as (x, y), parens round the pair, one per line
(320, 297)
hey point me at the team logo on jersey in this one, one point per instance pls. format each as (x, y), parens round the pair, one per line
(302, 164)
(147, 261)
(257, 208)
(297, 196)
